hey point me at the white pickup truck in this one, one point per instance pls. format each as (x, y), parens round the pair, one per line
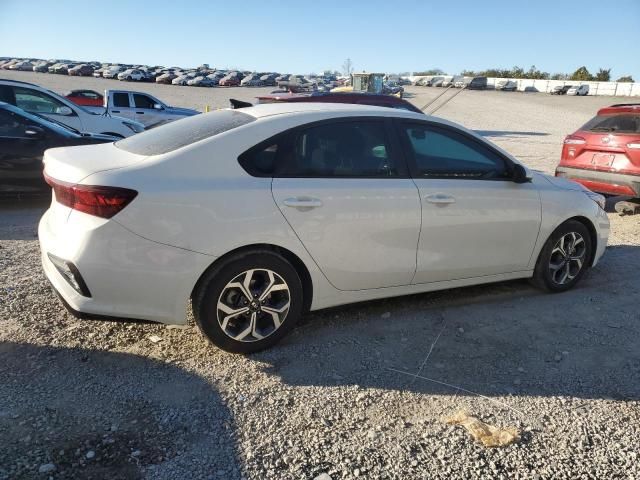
(141, 107)
(35, 99)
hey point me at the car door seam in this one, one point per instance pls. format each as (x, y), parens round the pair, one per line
(299, 239)
(415, 270)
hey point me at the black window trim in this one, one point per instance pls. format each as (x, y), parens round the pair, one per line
(401, 123)
(287, 137)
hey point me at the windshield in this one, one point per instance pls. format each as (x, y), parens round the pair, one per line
(622, 123)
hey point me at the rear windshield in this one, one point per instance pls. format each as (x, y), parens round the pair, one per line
(628, 123)
(181, 133)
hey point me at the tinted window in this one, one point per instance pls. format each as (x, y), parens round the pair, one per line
(11, 125)
(260, 162)
(614, 124)
(36, 101)
(443, 153)
(180, 133)
(121, 100)
(341, 149)
(142, 101)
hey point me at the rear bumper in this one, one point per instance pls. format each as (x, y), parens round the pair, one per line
(603, 182)
(129, 277)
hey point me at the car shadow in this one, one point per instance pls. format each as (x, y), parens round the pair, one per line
(493, 340)
(509, 133)
(58, 404)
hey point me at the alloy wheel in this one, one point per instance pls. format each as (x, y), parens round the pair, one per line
(253, 305)
(567, 258)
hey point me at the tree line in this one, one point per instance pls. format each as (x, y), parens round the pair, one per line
(581, 74)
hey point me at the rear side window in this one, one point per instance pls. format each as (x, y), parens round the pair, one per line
(341, 149)
(142, 101)
(181, 133)
(628, 123)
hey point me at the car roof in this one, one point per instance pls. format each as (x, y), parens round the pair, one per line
(620, 108)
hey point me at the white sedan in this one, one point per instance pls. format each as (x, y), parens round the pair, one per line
(258, 215)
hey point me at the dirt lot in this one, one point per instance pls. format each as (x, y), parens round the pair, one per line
(355, 392)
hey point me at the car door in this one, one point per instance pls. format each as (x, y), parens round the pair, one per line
(122, 106)
(145, 112)
(344, 189)
(35, 101)
(21, 149)
(475, 220)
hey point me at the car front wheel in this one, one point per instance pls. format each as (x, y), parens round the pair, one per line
(564, 259)
(249, 302)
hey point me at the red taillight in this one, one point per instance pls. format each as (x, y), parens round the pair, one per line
(574, 140)
(95, 200)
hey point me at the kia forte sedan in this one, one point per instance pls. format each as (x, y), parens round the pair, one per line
(259, 215)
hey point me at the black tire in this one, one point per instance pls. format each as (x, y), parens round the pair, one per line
(215, 283)
(543, 276)
(129, 78)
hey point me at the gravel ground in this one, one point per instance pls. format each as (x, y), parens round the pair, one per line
(354, 392)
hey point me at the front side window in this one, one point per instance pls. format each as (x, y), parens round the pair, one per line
(36, 101)
(142, 101)
(121, 100)
(342, 149)
(443, 153)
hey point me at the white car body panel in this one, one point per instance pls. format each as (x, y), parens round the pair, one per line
(196, 204)
(490, 228)
(358, 220)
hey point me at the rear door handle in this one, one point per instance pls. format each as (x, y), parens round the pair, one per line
(140, 113)
(115, 111)
(302, 202)
(440, 198)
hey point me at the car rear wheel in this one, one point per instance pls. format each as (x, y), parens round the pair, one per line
(249, 302)
(564, 259)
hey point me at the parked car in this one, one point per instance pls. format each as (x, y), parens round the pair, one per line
(229, 81)
(63, 68)
(87, 98)
(113, 71)
(24, 66)
(447, 81)
(132, 74)
(268, 80)
(42, 67)
(461, 82)
(604, 154)
(252, 80)
(477, 83)
(435, 81)
(166, 78)
(560, 90)
(82, 70)
(358, 98)
(507, 85)
(141, 107)
(332, 200)
(202, 81)
(578, 90)
(23, 140)
(182, 79)
(35, 99)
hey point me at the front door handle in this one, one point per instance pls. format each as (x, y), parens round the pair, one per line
(440, 198)
(302, 202)
(115, 111)
(140, 113)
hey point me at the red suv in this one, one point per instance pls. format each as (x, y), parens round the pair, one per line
(604, 155)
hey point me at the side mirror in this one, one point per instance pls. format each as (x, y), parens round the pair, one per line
(34, 132)
(157, 106)
(66, 111)
(520, 174)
